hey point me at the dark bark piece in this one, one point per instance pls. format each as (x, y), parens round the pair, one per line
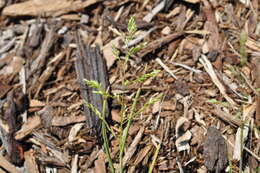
(212, 56)
(257, 115)
(60, 132)
(34, 39)
(13, 148)
(91, 65)
(16, 151)
(46, 115)
(159, 43)
(17, 104)
(168, 4)
(181, 87)
(21, 102)
(215, 151)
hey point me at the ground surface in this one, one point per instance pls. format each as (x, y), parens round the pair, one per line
(207, 53)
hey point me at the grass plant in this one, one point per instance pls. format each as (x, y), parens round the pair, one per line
(128, 112)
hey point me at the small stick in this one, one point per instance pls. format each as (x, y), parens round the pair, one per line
(226, 117)
(209, 69)
(140, 38)
(8, 46)
(119, 13)
(148, 18)
(159, 61)
(247, 149)
(187, 67)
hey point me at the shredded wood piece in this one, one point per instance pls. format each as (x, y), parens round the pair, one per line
(240, 143)
(192, 1)
(30, 162)
(157, 9)
(140, 38)
(119, 13)
(226, 117)
(210, 70)
(7, 165)
(8, 46)
(74, 164)
(133, 146)
(46, 7)
(248, 150)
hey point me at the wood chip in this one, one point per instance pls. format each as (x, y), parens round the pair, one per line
(30, 162)
(46, 7)
(152, 46)
(100, 165)
(215, 151)
(8, 166)
(4, 88)
(192, 1)
(132, 148)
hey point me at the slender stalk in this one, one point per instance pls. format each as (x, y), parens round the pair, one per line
(230, 166)
(158, 147)
(241, 148)
(105, 138)
(126, 130)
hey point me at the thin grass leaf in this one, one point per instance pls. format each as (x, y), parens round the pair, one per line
(103, 93)
(155, 156)
(126, 130)
(116, 52)
(105, 139)
(135, 49)
(243, 52)
(93, 84)
(147, 104)
(96, 111)
(144, 77)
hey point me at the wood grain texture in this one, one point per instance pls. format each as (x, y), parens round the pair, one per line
(91, 65)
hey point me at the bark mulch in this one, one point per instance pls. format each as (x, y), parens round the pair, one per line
(207, 53)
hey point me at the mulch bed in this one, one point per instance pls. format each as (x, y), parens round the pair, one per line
(208, 54)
